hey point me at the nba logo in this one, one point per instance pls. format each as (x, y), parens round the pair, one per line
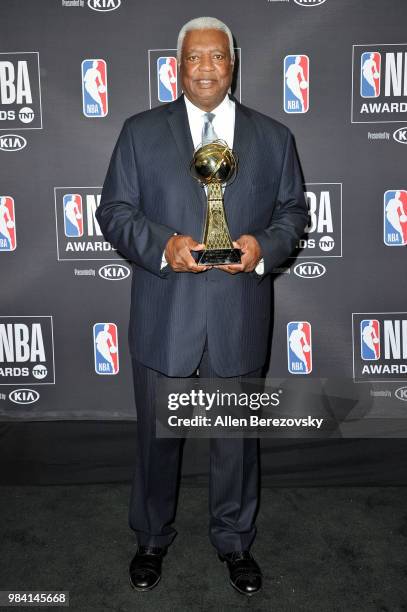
(370, 339)
(370, 63)
(73, 215)
(299, 348)
(395, 218)
(94, 88)
(7, 224)
(167, 79)
(296, 83)
(105, 348)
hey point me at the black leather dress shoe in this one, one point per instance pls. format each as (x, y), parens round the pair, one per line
(145, 567)
(245, 574)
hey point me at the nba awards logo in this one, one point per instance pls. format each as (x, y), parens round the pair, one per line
(94, 88)
(323, 234)
(379, 83)
(7, 224)
(167, 79)
(296, 83)
(106, 348)
(379, 346)
(73, 215)
(299, 347)
(20, 91)
(395, 218)
(26, 351)
(79, 236)
(163, 79)
(369, 339)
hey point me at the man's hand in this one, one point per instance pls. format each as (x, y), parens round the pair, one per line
(251, 255)
(178, 254)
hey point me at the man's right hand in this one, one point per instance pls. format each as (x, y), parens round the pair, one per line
(178, 254)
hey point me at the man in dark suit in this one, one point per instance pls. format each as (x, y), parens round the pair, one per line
(186, 317)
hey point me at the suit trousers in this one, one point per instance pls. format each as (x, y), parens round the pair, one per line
(233, 475)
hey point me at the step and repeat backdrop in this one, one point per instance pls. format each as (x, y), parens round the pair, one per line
(71, 72)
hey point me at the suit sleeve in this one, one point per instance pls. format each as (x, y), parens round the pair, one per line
(120, 214)
(290, 214)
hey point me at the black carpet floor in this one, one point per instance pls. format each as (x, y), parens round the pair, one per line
(321, 549)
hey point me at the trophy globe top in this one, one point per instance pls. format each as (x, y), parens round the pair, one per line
(214, 162)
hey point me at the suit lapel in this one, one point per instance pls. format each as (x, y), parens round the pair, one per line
(242, 141)
(178, 121)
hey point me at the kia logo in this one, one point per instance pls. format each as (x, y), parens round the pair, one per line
(309, 269)
(24, 396)
(401, 393)
(309, 2)
(400, 135)
(114, 272)
(104, 5)
(12, 142)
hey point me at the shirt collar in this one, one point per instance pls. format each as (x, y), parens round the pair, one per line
(224, 107)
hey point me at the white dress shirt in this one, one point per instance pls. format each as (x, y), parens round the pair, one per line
(223, 122)
(224, 126)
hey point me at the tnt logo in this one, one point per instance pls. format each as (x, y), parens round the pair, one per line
(299, 349)
(105, 348)
(370, 339)
(7, 224)
(167, 79)
(370, 66)
(296, 83)
(94, 88)
(73, 215)
(395, 218)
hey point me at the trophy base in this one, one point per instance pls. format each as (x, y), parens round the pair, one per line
(217, 257)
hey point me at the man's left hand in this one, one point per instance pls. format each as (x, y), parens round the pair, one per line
(251, 255)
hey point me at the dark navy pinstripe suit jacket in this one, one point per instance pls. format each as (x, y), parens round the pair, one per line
(148, 194)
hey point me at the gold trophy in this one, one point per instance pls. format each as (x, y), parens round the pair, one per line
(214, 165)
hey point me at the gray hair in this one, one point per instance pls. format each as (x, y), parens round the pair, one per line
(204, 23)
